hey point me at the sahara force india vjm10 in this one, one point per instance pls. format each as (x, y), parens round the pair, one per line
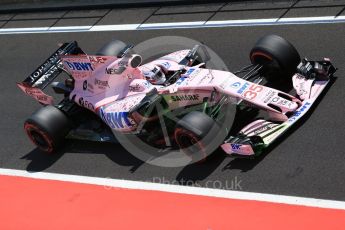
(112, 92)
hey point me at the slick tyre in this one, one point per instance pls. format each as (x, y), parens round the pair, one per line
(47, 128)
(278, 56)
(193, 134)
(112, 48)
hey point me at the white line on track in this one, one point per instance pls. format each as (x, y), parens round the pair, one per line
(211, 192)
(179, 25)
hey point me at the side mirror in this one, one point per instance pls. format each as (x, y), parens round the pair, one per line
(135, 61)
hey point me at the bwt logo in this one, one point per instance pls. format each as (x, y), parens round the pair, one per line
(179, 82)
(299, 112)
(116, 120)
(79, 66)
(243, 88)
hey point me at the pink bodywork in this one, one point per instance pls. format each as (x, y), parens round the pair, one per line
(110, 85)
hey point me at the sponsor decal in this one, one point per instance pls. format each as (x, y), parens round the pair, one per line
(155, 70)
(193, 73)
(116, 120)
(299, 111)
(275, 99)
(146, 84)
(235, 85)
(269, 96)
(79, 66)
(166, 65)
(185, 97)
(283, 102)
(36, 93)
(290, 104)
(181, 80)
(85, 85)
(89, 105)
(264, 128)
(129, 76)
(85, 104)
(243, 88)
(147, 73)
(43, 68)
(97, 59)
(207, 79)
(49, 73)
(101, 84)
(242, 149)
(125, 104)
(112, 71)
(81, 101)
(134, 88)
(252, 92)
(235, 147)
(225, 83)
(189, 72)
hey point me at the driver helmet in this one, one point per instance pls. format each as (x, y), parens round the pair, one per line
(156, 76)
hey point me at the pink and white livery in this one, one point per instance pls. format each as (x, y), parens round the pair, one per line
(174, 100)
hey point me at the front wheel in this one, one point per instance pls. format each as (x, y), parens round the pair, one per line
(47, 128)
(194, 133)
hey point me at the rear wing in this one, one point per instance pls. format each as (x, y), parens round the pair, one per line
(52, 67)
(47, 72)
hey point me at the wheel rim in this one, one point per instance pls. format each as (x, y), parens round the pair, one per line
(271, 66)
(186, 141)
(39, 138)
(189, 144)
(260, 58)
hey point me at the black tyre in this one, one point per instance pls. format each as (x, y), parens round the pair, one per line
(193, 134)
(277, 55)
(112, 48)
(47, 128)
(202, 54)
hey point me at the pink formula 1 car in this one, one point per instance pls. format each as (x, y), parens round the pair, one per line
(112, 92)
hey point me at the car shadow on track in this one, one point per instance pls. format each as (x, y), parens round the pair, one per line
(115, 152)
(40, 161)
(201, 170)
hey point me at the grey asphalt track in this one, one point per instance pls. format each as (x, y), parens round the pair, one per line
(308, 162)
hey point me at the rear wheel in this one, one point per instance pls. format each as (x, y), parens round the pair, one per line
(112, 48)
(202, 55)
(278, 56)
(47, 128)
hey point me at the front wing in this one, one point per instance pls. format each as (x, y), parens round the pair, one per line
(258, 135)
